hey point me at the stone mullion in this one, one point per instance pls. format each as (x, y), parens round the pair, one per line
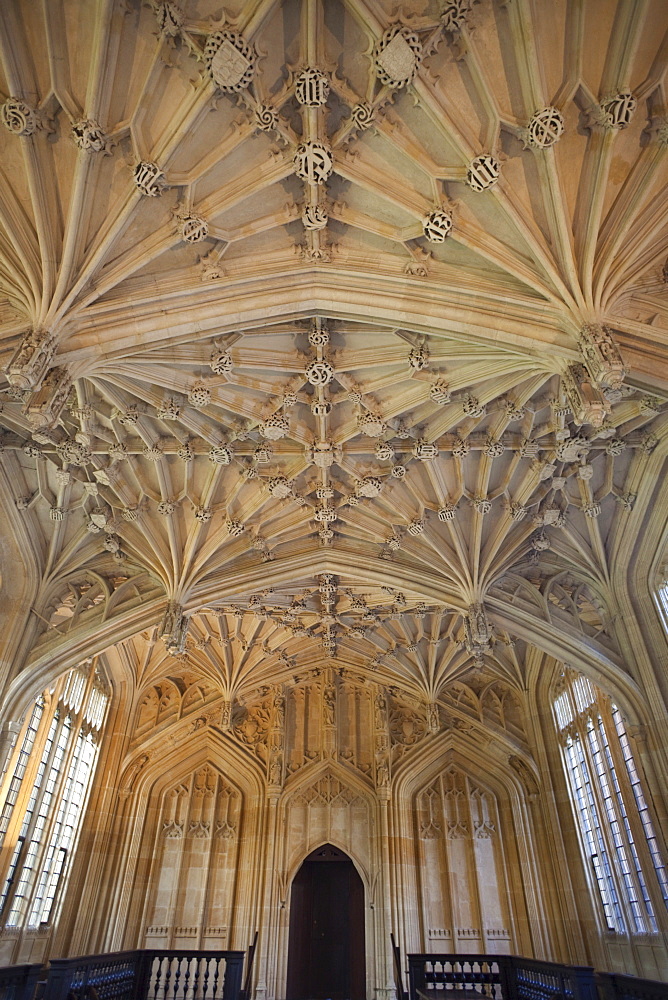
(631, 808)
(472, 862)
(185, 809)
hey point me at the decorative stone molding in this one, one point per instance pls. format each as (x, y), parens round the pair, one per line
(221, 455)
(397, 56)
(275, 427)
(319, 373)
(230, 60)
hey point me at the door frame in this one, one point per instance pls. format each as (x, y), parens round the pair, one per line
(361, 917)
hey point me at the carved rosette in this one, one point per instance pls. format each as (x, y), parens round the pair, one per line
(230, 60)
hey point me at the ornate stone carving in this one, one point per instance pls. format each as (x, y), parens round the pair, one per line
(362, 116)
(199, 396)
(314, 217)
(221, 362)
(370, 424)
(483, 172)
(46, 404)
(193, 228)
(460, 448)
(74, 453)
(440, 393)
(493, 448)
(266, 118)
(169, 410)
(369, 487)
(544, 129)
(438, 225)
(89, 134)
(279, 487)
(418, 357)
(384, 451)
(319, 373)
(313, 162)
(169, 17)
(447, 512)
(425, 451)
(615, 111)
(397, 56)
(601, 356)
(275, 427)
(149, 178)
(454, 14)
(472, 406)
(221, 455)
(31, 359)
(18, 117)
(174, 628)
(588, 405)
(478, 630)
(230, 60)
(312, 88)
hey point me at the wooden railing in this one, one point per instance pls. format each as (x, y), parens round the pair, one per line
(612, 986)
(147, 975)
(18, 982)
(498, 977)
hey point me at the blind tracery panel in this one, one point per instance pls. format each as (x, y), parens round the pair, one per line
(44, 794)
(617, 833)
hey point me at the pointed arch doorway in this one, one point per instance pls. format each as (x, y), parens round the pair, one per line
(326, 937)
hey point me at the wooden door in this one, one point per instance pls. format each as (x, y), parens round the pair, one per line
(326, 945)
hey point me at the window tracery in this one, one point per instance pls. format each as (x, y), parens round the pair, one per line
(617, 833)
(45, 789)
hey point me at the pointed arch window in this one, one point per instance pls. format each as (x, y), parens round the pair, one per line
(617, 833)
(44, 792)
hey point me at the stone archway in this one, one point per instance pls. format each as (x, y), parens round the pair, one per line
(326, 936)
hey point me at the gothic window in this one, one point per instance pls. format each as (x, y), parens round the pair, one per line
(662, 601)
(617, 834)
(44, 792)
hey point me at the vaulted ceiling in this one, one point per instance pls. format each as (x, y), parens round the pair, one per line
(339, 326)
